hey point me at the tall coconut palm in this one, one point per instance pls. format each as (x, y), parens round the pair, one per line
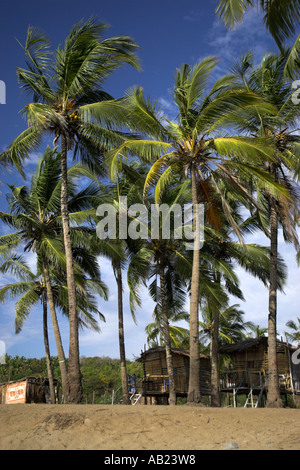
(225, 255)
(156, 260)
(160, 264)
(124, 379)
(197, 145)
(36, 216)
(268, 81)
(127, 184)
(70, 104)
(32, 289)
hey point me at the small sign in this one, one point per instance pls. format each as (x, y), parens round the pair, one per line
(16, 393)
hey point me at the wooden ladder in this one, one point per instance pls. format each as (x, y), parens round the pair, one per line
(135, 398)
(251, 401)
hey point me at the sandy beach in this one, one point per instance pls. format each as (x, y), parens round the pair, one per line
(105, 427)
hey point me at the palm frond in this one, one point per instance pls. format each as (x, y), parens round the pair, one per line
(292, 65)
(137, 274)
(12, 290)
(24, 306)
(252, 148)
(109, 113)
(22, 146)
(232, 11)
(16, 266)
(147, 150)
(9, 242)
(281, 19)
(156, 173)
(53, 250)
(191, 82)
(36, 80)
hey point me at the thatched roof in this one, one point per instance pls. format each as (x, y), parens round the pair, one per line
(31, 379)
(250, 343)
(158, 349)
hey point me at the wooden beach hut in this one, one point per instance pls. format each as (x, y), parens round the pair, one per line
(27, 390)
(155, 383)
(247, 372)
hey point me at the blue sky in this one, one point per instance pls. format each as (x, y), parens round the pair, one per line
(169, 33)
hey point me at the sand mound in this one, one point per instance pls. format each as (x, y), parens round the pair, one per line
(104, 427)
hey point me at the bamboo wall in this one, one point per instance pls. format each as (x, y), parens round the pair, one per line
(255, 361)
(156, 374)
(205, 372)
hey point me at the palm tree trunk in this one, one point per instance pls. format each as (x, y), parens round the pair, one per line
(273, 398)
(47, 349)
(59, 346)
(194, 394)
(214, 357)
(75, 385)
(124, 381)
(166, 335)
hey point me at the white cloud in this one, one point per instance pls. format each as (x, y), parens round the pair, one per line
(32, 160)
(192, 16)
(169, 108)
(251, 34)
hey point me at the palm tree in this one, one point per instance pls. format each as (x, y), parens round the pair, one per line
(32, 288)
(161, 262)
(190, 147)
(225, 255)
(179, 335)
(127, 184)
(269, 82)
(124, 380)
(36, 215)
(232, 326)
(295, 334)
(281, 19)
(69, 103)
(257, 331)
(156, 259)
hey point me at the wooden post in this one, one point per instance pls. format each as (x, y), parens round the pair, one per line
(291, 374)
